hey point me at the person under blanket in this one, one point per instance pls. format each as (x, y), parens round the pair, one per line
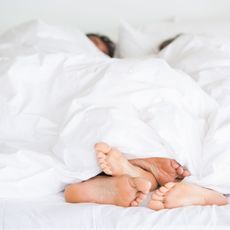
(107, 46)
(132, 180)
(103, 43)
(168, 42)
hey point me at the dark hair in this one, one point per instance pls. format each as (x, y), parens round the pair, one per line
(167, 42)
(109, 43)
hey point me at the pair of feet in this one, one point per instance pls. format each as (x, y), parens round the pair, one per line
(132, 180)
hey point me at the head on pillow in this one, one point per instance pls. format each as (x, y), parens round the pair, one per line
(103, 43)
(168, 42)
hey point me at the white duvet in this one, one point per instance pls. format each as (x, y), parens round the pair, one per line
(59, 96)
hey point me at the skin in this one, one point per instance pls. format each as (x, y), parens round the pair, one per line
(130, 184)
(128, 187)
(174, 195)
(122, 191)
(164, 170)
(170, 195)
(99, 44)
(156, 170)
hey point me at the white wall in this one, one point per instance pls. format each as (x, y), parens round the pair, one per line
(104, 15)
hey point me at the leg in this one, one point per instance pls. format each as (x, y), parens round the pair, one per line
(173, 195)
(122, 191)
(114, 163)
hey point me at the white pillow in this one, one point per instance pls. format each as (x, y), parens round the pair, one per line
(145, 40)
(133, 43)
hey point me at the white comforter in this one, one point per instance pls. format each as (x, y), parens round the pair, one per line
(59, 96)
(207, 61)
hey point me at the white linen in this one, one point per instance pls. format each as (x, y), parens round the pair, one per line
(144, 40)
(207, 61)
(52, 212)
(35, 93)
(58, 98)
(131, 107)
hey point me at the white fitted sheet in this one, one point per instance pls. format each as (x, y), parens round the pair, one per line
(52, 212)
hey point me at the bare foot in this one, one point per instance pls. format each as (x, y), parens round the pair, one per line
(173, 195)
(122, 191)
(165, 170)
(113, 162)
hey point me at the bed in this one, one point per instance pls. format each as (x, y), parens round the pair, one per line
(52, 212)
(41, 133)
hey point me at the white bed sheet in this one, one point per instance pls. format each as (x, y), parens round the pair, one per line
(52, 212)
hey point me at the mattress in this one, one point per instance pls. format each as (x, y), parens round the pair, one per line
(51, 212)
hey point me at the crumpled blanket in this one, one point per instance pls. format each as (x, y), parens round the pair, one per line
(59, 96)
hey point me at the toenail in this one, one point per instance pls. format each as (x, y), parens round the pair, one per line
(163, 189)
(157, 198)
(159, 193)
(134, 203)
(169, 185)
(175, 164)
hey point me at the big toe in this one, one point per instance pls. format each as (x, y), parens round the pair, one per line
(156, 205)
(102, 147)
(175, 164)
(186, 173)
(157, 200)
(180, 171)
(158, 197)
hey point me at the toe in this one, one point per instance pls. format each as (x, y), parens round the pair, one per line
(175, 164)
(103, 165)
(155, 196)
(101, 161)
(102, 147)
(140, 197)
(114, 152)
(156, 205)
(157, 202)
(186, 173)
(108, 172)
(159, 193)
(163, 189)
(134, 203)
(105, 168)
(139, 200)
(180, 170)
(170, 185)
(100, 155)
